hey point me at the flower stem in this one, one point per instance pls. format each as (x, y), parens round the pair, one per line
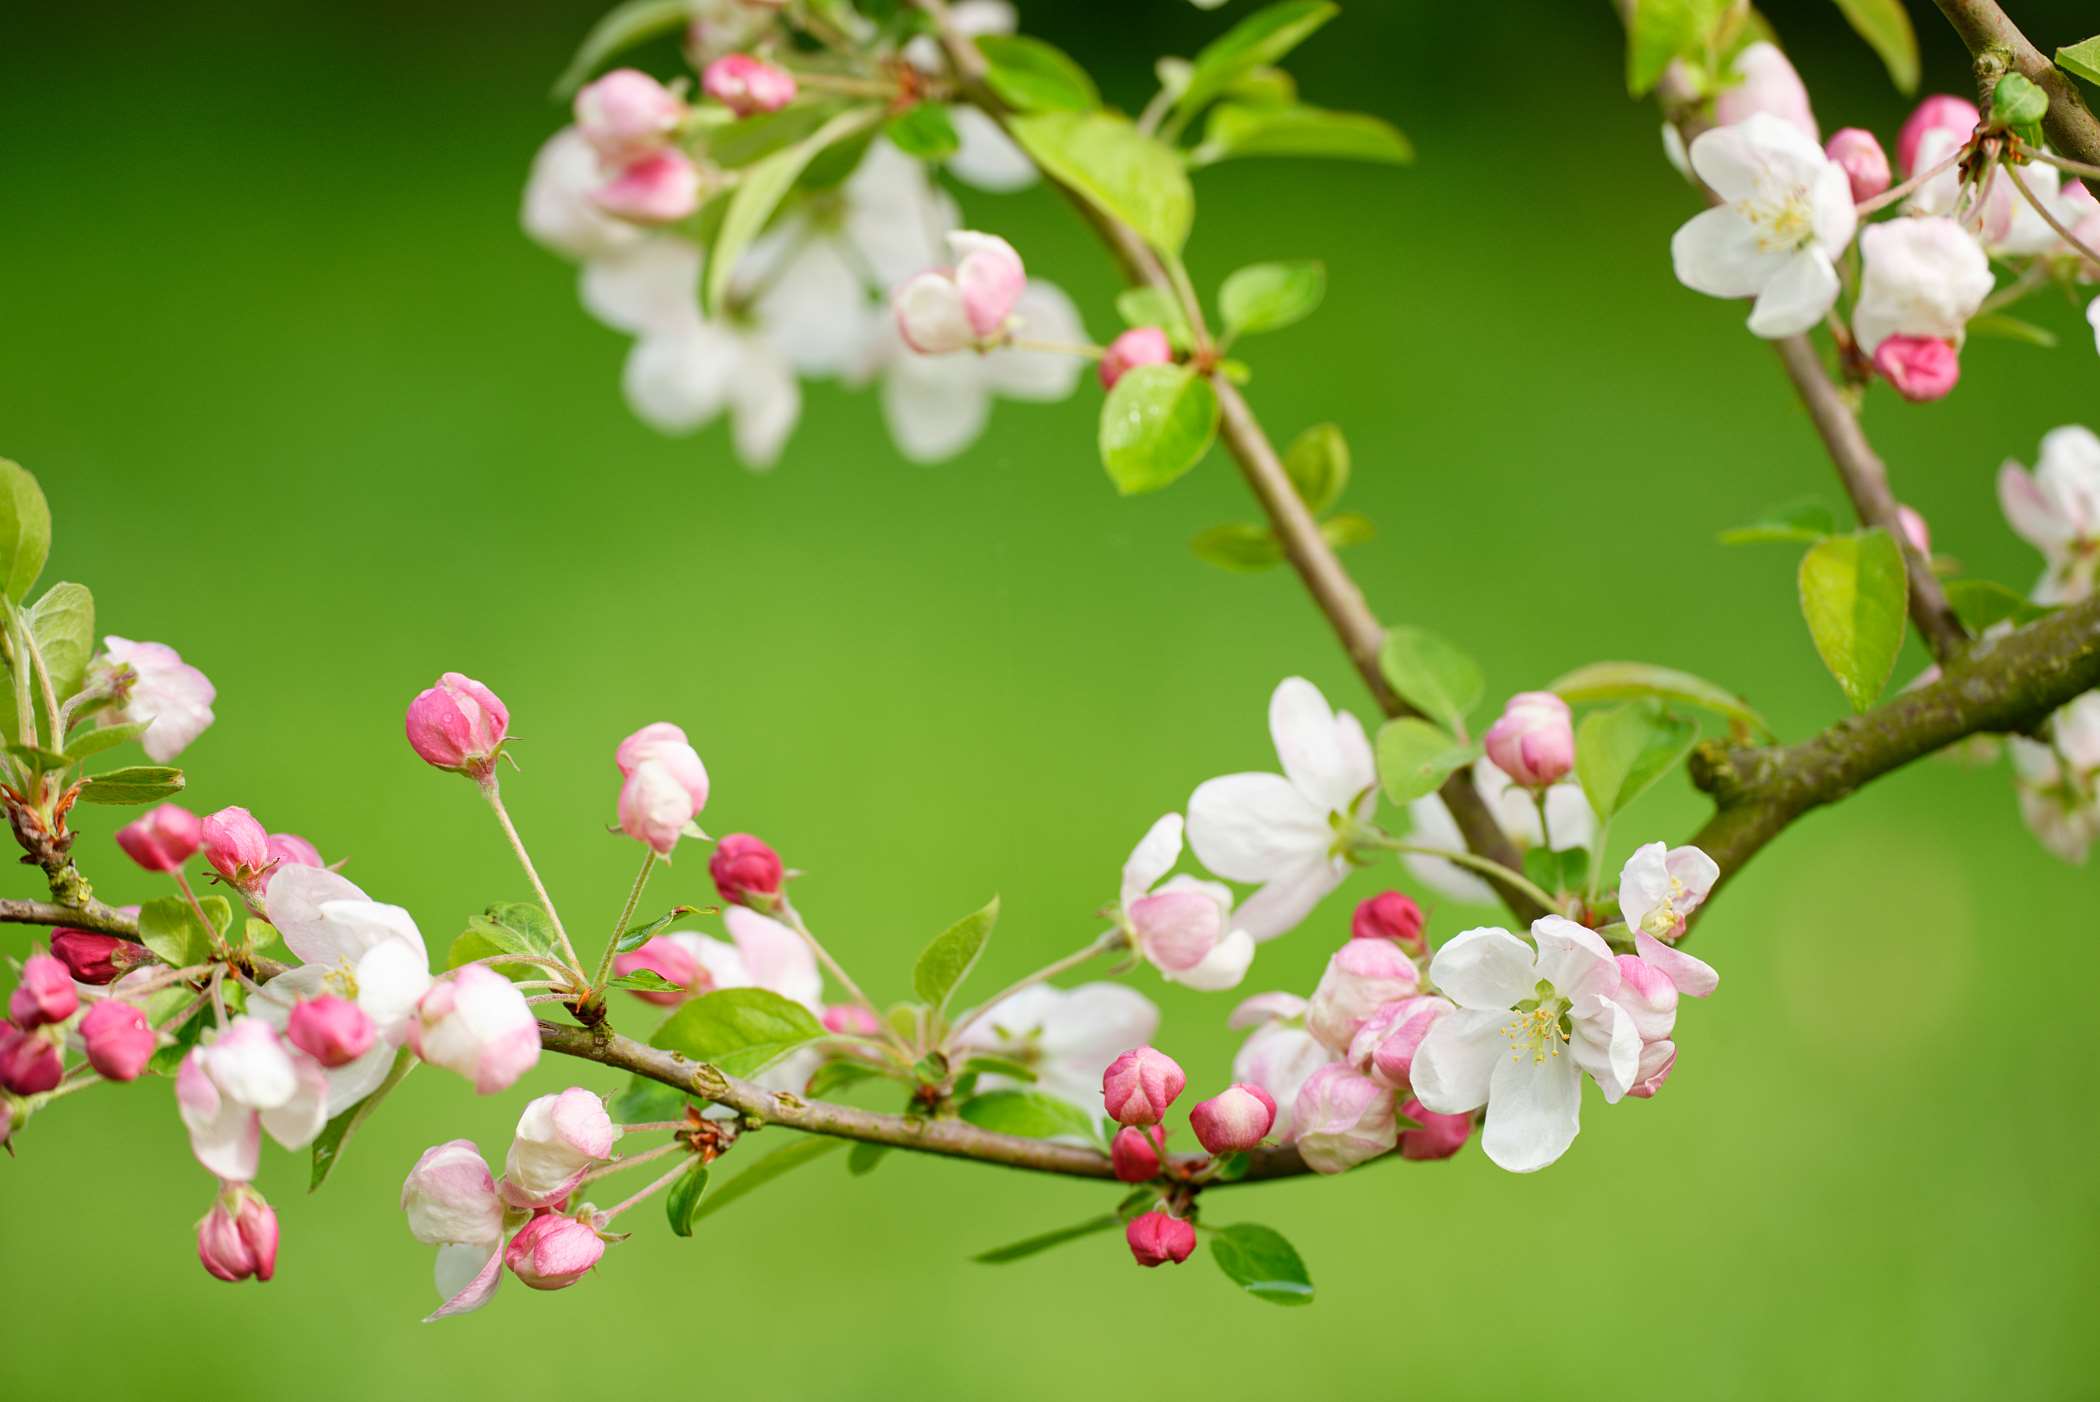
(2051, 220)
(606, 1170)
(612, 941)
(1023, 343)
(493, 792)
(211, 931)
(1896, 192)
(2064, 162)
(1107, 943)
(645, 1194)
(1495, 869)
(792, 918)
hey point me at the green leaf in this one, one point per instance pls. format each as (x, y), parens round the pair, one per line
(1981, 604)
(785, 1159)
(2082, 59)
(749, 140)
(1237, 130)
(2011, 328)
(1262, 1263)
(1258, 41)
(1620, 753)
(335, 1135)
(738, 1030)
(837, 1075)
(1621, 681)
(1271, 296)
(947, 960)
(63, 624)
(647, 1102)
(1156, 424)
(682, 1203)
(2017, 104)
(1121, 171)
(644, 981)
(1032, 76)
(1432, 676)
(1028, 1113)
(37, 757)
(1347, 528)
(987, 1065)
(94, 741)
(168, 1057)
(1853, 594)
(170, 928)
(627, 25)
(1806, 520)
(758, 194)
(1240, 546)
(139, 783)
(472, 946)
(1148, 306)
(1317, 463)
(1014, 1251)
(863, 1158)
(924, 130)
(517, 927)
(25, 528)
(1415, 757)
(639, 935)
(1662, 30)
(1885, 25)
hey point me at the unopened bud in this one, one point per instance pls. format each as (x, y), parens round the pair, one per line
(1135, 1153)
(1140, 345)
(552, 1252)
(1237, 1118)
(1390, 915)
(1155, 1239)
(458, 725)
(1859, 155)
(163, 839)
(746, 85)
(1533, 741)
(662, 187)
(44, 995)
(95, 958)
(1921, 368)
(1139, 1085)
(119, 1041)
(746, 871)
(333, 1031)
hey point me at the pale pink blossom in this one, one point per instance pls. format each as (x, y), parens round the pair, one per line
(1384, 1047)
(558, 209)
(1764, 81)
(1953, 116)
(559, 1139)
(1342, 1118)
(1865, 164)
(475, 1022)
(1065, 1035)
(1919, 277)
(451, 1203)
(243, 1081)
(664, 785)
(627, 114)
(153, 684)
(1533, 740)
(1360, 977)
(659, 188)
(2056, 509)
(965, 306)
(1184, 928)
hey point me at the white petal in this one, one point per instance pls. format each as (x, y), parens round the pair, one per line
(1719, 252)
(1315, 756)
(1606, 1043)
(1224, 967)
(935, 407)
(1250, 827)
(775, 956)
(987, 157)
(1282, 904)
(295, 899)
(812, 308)
(295, 1123)
(1534, 1109)
(1694, 978)
(650, 288)
(1573, 959)
(1454, 1067)
(391, 979)
(1152, 858)
(764, 402)
(676, 383)
(1486, 970)
(1266, 1007)
(1043, 313)
(466, 1277)
(1796, 299)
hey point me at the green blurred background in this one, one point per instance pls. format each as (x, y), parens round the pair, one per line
(306, 404)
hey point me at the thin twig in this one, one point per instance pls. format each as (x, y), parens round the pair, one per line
(2051, 220)
(492, 791)
(1113, 940)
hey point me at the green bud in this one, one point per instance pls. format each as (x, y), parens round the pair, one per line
(2017, 105)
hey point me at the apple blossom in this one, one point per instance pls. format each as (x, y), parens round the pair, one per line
(1533, 740)
(2056, 509)
(1390, 915)
(1951, 116)
(1527, 1025)
(1648, 996)
(163, 839)
(1361, 977)
(664, 785)
(1183, 928)
(451, 1203)
(288, 849)
(458, 725)
(1568, 817)
(659, 188)
(552, 1252)
(746, 871)
(1065, 1035)
(1140, 345)
(475, 1022)
(1288, 831)
(331, 1030)
(558, 211)
(746, 85)
(237, 1240)
(1440, 1136)
(1764, 81)
(117, 1039)
(29, 1064)
(2058, 783)
(964, 307)
(559, 1138)
(153, 685)
(45, 993)
(1919, 277)
(244, 1081)
(1786, 215)
(1921, 368)
(761, 953)
(1865, 164)
(95, 958)
(850, 1019)
(1342, 1118)
(1279, 1055)
(627, 114)
(1238, 1117)
(1384, 1047)
(1139, 1085)
(1155, 1239)
(1134, 1154)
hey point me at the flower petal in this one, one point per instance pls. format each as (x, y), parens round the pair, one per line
(1487, 969)
(466, 1276)
(1534, 1109)
(1252, 827)
(1797, 296)
(1152, 858)
(775, 956)
(1606, 1043)
(1224, 967)
(1282, 904)
(1454, 1068)
(295, 898)
(1177, 930)
(1573, 959)
(1318, 757)
(1695, 978)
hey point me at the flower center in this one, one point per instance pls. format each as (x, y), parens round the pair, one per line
(1538, 1026)
(1662, 921)
(1782, 224)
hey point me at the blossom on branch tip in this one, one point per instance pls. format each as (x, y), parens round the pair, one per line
(1919, 277)
(163, 838)
(1184, 927)
(1155, 1239)
(627, 114)
(1236, 1118)
(966, 306)
(45, 994)
(1342, 1118)
(1786, 214)
(1659, 888)
(746, 85)
(118, 1040)
(1865, 164)
(475, 1022)
(1390, 915)
(559, 1139)
(1533, 740)
(458, 725)
(1140, 345)
(1139, 1085)
(152, 684)
(558, 212)
(1134, 1154)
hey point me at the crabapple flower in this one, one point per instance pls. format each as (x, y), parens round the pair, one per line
(2058, 783)
(451, 1203)
(964, 307)
(118, 1040)
(29, 1064)
(237, 1240)
(850, 1019)
(1390, 915)
(1065, 1035)
(664, 785)
(746, 871)
(1155, 1239)
(242, 1082)
(1135, 1153)
(1920, 277)
(237, 847)
(1280, 1054)
(45, 994)
(1658, 889)
(331, 1030)
(552, 1252)
(762, 953)
(1568, 815)
(152, 684)
(1440, 1136)
(1140, 345)
(1183, 928)
(97, 959)
(1648, 996)
(559, 1139)
(627, 114)
(1865, 164)
(1943, 113)
(666, 957)
(2056, 509)
(1139, 1085)
(475, 1022)
(1786, 214)
(1921, 368)
(1384, 1047)
(1361, 977)
(1533, 740)
(746, 85)
(458, 725)
(288, 849)
(1342, 1118)
(1281, 829)
(1527, 1025)
(1765, 82)
(163, 839)
(1238, 1117)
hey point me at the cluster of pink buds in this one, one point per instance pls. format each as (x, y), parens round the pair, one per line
(632, 121)
(237, 1239)
(31, 1059)
(966, 306)
(664, 786)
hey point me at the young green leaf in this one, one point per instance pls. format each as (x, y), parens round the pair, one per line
(1156, 424)
(924, 130)
(1271, 296)
(1317, 462)
(1853, 593)
(788, 1157)
(1415, 757)
(25, 529)
(643, 981)
(173, 932)
(1028, 1113)
(1981, 604)
(1885, 25)
(1662, 30)
(764, 184)
(1029, 1246)
(1999, 326)
(682, 1203)
(1121, 171)
(639, 935)
(1240, 546)
(1432, 676)
(91, 742)
(647, 1102)
(624, 27)
(1620, 753)
(334, 1137)
(139, 783)
(1259, 40)
(1807, 520)
(1032, 76)
(1262, 1263)
(947, 960)
(837, 1075)
(1237, 130)
(1347, 528)
(517, 927)
(63, 624)
(863, 1158)
(2081, 60)
(38, 758)
(740, 1031)
(1621, 681)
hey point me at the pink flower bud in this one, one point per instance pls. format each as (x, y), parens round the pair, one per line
(1156, 1239)
(476, 1023)
(627, 114)
(29, 1065)
(851, 1018)
(221, 1246)
(1140, 345)
(331, 1030)
(1139, 1085)
(45, 993)
(746, 871)
(1236, 1118)
(1384, 1047)
(236, 846)
(1657, 1061)
(1915, 530)
(288, 849)
(1533, 741)
(670, 960)
(746, 85)
(163, 839)
(1940, 112)
(119, 1041)
(559, 1139)
(1440, 1136)
(97, 959)
(1342, 1118)
(458, 725)
(257, 1224)
(1860, 156)
(940, 312)
(660, 188)
(1389, 915)
(1135, 1153)
(552, 1252)
(450, 1197)
(1765, 82)
(1361, 977)
(1648, 997)
(665, 785)
(1922, 368)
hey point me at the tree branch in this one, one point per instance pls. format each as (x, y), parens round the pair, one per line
(1999, 48)
(95, 916)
